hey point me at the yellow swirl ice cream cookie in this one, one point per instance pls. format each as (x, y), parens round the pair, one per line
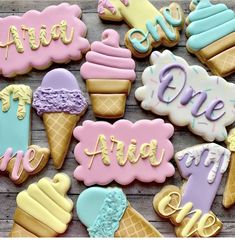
(43, 210)
(211, 33)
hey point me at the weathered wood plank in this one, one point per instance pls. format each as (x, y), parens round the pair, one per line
(139, 194)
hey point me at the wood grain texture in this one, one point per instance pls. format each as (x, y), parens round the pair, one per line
(140, 195)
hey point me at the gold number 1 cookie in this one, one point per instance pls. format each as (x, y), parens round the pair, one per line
(150, 27)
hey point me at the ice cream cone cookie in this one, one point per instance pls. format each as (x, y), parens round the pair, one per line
(107, 213)
(61, 103)
(37, 39)
(188, 95)
(189, 208)
(211, 35)
(150, 27)
(109, 71)
(43, 210)
(17, 157)
(229, 192)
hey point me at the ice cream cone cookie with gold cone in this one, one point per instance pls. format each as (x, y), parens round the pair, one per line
(229, 192)
(109, 72)
(61, 103)
(18, 158)
(43, 210)
(189, 208)
(107, 213)
(211, 35)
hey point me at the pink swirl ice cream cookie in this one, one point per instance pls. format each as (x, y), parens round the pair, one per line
(61, 103)
(109, 71)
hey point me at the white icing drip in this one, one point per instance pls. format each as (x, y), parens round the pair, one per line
(215, 153)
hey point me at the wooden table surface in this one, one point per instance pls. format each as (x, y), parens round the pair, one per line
(140, 195)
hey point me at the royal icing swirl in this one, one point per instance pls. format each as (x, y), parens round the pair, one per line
(209, 23)
(107, 60)
(46, 201)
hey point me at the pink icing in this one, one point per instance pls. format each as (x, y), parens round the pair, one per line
(106, 4)
(107, 60)
(20, 157)
(143, 131)
(56, 51)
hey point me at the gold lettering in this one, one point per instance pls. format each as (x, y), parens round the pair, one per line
(63, 31)
(43, 36)
(58, 31)
(101, 142)
(167, 210)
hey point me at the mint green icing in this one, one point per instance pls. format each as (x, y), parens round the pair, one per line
(209, 23)
(167, 23)
(101, 210)
(14, 133)
(206, 12)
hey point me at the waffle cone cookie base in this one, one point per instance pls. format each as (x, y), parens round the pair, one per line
(135, 225)
(59, 128)
(43, 210)
(24, 225)
(229, 192)
(112, 215)
(188, 222)
(108, 97)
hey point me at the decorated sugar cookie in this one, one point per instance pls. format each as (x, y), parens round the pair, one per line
(37, 39)
(43, 209)
(17, 157)
(109, 71)
(189, 208)
(107, 213)
(150, 27)
(61, 103)
(188, 95)
(211, 33)
(123, 152)
(229, 192)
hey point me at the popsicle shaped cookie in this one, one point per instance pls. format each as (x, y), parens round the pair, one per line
(17, 157)
(149, 27)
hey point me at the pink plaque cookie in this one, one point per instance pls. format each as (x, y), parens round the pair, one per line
(37, 39)
(123, 152)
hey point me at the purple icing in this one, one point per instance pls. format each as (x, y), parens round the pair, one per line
(48, 100)
(166, 78)
(198, 190)
(214, 106)
(188, 94)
